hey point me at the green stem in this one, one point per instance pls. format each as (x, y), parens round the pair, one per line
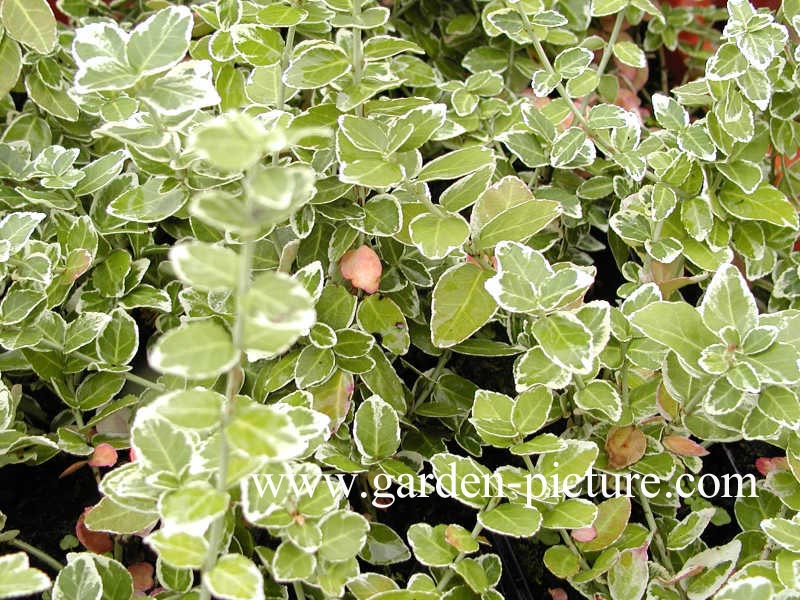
(288, 48)
(145, 383)
(476, 531)
(607, 51)
(661, 549)
(299, 593)
(431, 380)
(34, 551)
(543, 58)
(564, 535)
(232, 386)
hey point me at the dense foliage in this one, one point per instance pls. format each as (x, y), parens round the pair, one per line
(256, 238)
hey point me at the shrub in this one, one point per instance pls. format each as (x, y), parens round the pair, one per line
(257, 241)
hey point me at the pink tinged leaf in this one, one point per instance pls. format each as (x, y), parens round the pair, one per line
(132, 455)
(683, 446)
(362, 268)
(625, 446)
(142, 574)
(766, 465)
(558, 594)
(105, 455)
(94, 541)
(584, 534)
(72, 468)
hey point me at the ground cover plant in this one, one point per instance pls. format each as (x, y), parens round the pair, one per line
(249, 241)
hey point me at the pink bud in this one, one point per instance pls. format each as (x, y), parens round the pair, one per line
(362, 268)
(584, 534)
(558, 594)
(132, 455)
(104, 455)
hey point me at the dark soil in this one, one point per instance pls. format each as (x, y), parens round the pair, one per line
(43, 507)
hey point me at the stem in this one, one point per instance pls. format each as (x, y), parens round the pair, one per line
(232, 386)
(34, 551)
(476, 531)
(542, 56)
(145, 383)
(281, 104)
(431, 380)
(298, 591)
(607, 51)
(661, 549)
(564, 535)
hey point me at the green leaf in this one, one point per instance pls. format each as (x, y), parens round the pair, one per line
(315, 66)
(187, 86)
(160, 41)
(118, 340)
(99, 173)
(628, 577)
(109, 516)
(263, 431)
(457, 164)
(97, 389)
(17, 578)
(531, 410)
(784, 532)
(343, 535)
(277, 311)
(376, 429)
(235, 577)
(461, 305)
(747, 589)
(729, 303)
(232, 141)
(192, 508)
(430, 545)
(371, 172)
(571, 149)
(291, 563)
(508, 211)
(191, 409)
(149, 202)
(766, 203)
(561, 561)
(195, 350)
(689, 529)
(205, 266)
(30, 22)
(602, 8)
(515, 520)
(697, 142)
(382, 316)
(159, 447)
(669, 114)
(384, 546)
(566, 340)
(179, 549)
(679, 327)
(630, 54)
(79, 580)
(10, 64)
(600, 396)
(571, 513)
(436, 236)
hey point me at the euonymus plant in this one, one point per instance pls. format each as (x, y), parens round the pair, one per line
(261, 238)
